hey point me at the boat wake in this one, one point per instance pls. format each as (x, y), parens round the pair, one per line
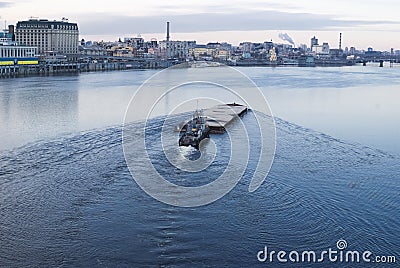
(73, 202)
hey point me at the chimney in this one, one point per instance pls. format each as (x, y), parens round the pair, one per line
(340, 42)
(167, 30)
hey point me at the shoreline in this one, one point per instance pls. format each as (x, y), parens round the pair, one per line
(9, 72)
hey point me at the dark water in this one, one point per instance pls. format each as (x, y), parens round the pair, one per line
(71, 202)
(67, 198)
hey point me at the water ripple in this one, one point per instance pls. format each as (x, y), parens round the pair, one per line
(72, 202)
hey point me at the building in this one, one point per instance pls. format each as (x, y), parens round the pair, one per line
(221, 54)
(321, 49)
(60, 37)
(314, 42)
(90, 49)
(246, 47)
(268, 45)
(153, 43)
(213, 45)
(372, 53)
(121, 50)
(303, 47)
(17, 55)
(135, 42)
(174, 49)
(336, 52)
(198, 51)
(5, 38)
(11, 54)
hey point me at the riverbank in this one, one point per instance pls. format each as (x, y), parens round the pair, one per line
(60, 68)
(15, 71)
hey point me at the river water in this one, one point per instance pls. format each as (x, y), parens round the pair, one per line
(67, 198)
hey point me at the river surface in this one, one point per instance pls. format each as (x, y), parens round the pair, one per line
(67, 198)
(357, 104)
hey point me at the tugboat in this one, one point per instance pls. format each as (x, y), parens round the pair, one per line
(195, 130)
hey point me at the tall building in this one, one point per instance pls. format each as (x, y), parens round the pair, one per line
(48, 36)
(314, 42)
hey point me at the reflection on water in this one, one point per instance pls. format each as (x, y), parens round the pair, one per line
(353, 103)
(36, 108)
(70, 200)
(33, 109)
(357, 103)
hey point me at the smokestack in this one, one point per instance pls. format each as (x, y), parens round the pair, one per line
(167, 30)
(340, 42)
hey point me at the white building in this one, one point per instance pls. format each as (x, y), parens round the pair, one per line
(321, 50)
(48, 36)
(174, 49)
(17, 52)
(17, 55)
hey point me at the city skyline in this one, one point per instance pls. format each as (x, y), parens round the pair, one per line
(360, 21)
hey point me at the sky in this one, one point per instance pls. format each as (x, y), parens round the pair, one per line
(363, 24)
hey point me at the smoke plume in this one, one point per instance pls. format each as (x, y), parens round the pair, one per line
(286, 37)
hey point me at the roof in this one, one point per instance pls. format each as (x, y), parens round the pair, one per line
(44, 23)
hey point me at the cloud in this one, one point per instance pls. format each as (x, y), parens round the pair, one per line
(5, 4)
(106, 24)
(224, 8)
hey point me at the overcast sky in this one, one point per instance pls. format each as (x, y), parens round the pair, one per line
(363, 23)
